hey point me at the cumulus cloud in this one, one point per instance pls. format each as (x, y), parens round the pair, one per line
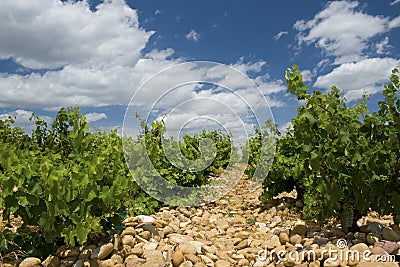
(279, 35)
(193, 36)
(95, 58)
(94, 116)
(356, 79)
(342, 30)
(285, 127)
(51, 34)
(395, 23)
(22, 119)
(382, 46)
(307, 75)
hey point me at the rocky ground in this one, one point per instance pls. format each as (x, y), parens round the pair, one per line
(235, 231)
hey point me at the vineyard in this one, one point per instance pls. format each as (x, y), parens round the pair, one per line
(63, 184)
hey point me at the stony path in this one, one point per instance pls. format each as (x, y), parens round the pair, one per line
(232, 231)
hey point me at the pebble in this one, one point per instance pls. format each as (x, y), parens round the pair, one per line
(188, 248)
(372, 238)
(390, 235)
(31, 262)
(361, 247)
(51, 261)
(105, 251)
(226, 233)
(178, 258)
(283, 238)
(222, 263)
(299, 229)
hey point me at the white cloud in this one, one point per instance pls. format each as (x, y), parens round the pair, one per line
(394, 2)
(157, 12)
(382, 46)
(342, 31)
(22, 119)
(94, 116)
(51, 34)
(395, 23)
(355, 79)
(307, 75)
(283, 129)
(193, 36)
(95, 58)
(279, 35)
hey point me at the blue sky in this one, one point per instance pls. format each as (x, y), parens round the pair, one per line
(96, 54)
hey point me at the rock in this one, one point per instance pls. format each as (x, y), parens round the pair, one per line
(188, 248)
(145, 219)
(262, 227)
(166, 231)
(137, 251)
(357, 241)
(193, 258)
(78, 263)
(150, 246)
(283, 238)
(150, 228)
(177, 258)
(242, 234)
(178, 238)
(390, 235)
(299, 229)
(222, 263)
(314, 264)
(373, 227)
(273, 242)
(134, 262)
(113, 261)
(145, 234)
(86, 252)
(160, 223)
(361, 247)
(222, 224)
(360, 236)
(307, 242)
(31, 262)
(259, 263)
(197, 245)
(331, 263)
(295, 239)
(154, 258)
(243, 244)
(128, 240)
(378, 251)
(105, 251)
(208, 249)
(391, 247)
(129, 231)
(68, 262)
(184, 211)
(65, 252)
(337, 232)
(372, 238)
(186, 264)
(51, 261)
(206, 260)
(321, 241)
